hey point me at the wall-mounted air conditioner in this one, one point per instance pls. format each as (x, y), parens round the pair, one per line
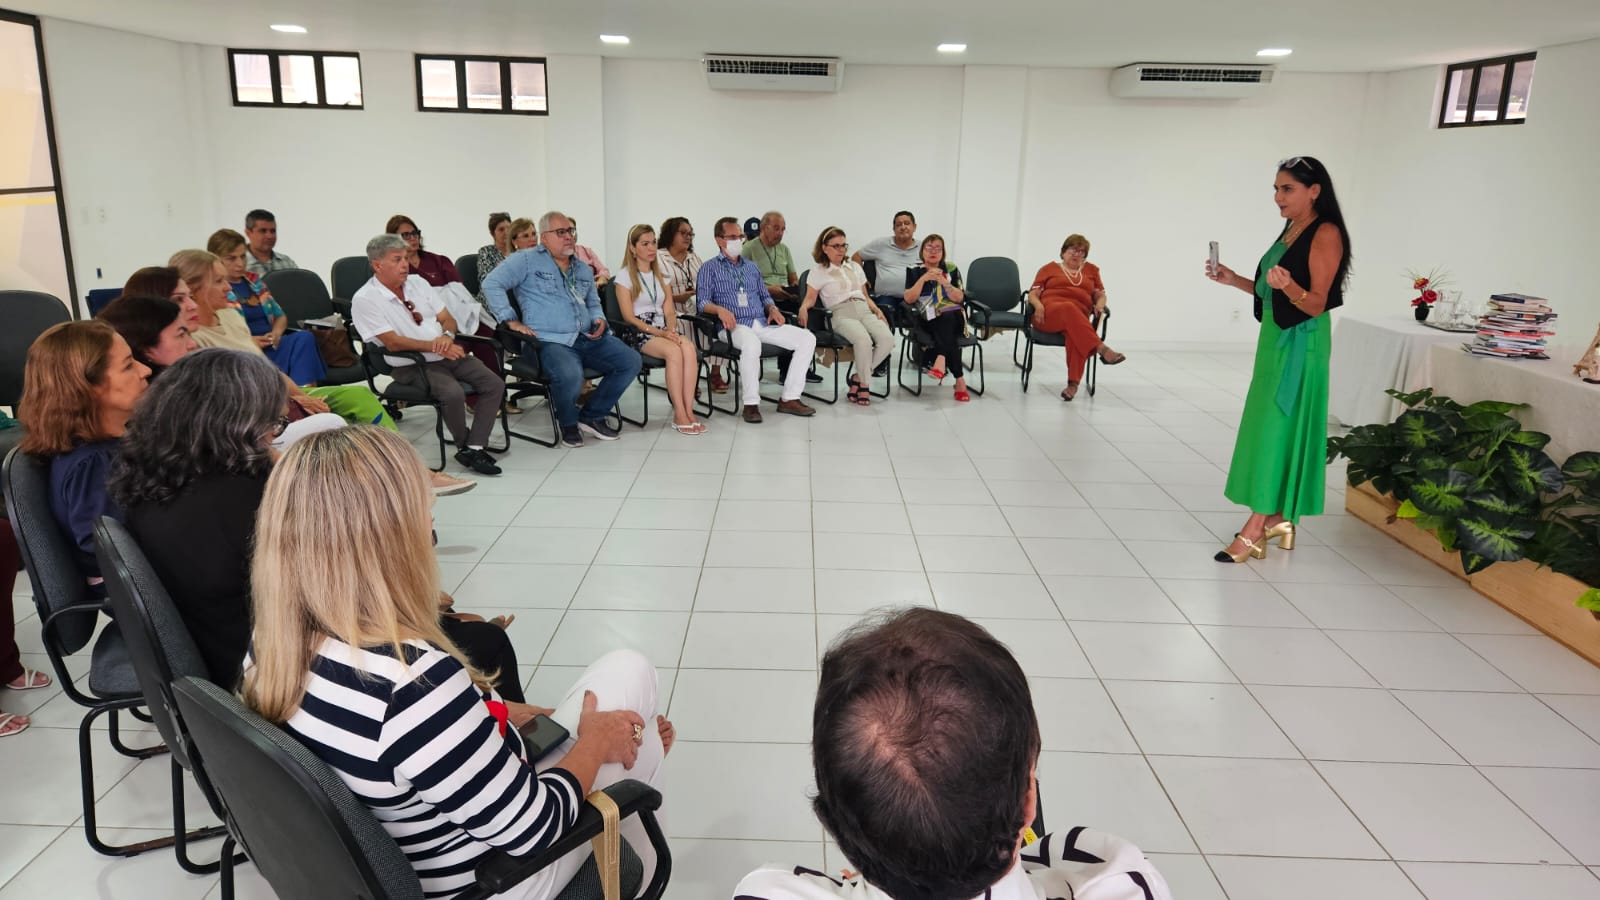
(1190, 81)
(728, 72)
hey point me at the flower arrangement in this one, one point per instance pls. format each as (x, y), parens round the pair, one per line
(1428, 286)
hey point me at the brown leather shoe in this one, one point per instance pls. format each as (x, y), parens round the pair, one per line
(795, 408)
(752, 414)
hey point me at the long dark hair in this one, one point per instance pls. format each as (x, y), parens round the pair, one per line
(140, 319)
(669, 232)
(1308, 170)
(210, 413)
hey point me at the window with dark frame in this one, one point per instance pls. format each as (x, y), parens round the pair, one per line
(1487, 92)
(497, 85)
(302, 79)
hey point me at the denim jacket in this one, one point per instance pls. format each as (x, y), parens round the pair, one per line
(558, 305)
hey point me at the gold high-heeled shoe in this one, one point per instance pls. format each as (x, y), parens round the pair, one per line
(1284, 532)
(1259, 551)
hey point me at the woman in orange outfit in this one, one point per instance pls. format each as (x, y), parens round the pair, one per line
(1067, 296)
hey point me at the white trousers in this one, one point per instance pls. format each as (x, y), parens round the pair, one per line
(748, 340)
(622, 679)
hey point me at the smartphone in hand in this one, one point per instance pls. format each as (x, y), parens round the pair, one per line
(1214, 261)
(542, 735)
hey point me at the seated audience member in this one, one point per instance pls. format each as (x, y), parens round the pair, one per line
(681, 264)
(842, 287)
(601, 273)
(555, 301)
(79, 387)
(731, 288)
(925, 748)
(163, 281)
(524, 235)
(645, 301)
(347, 654)
(491, 255)
(401, 312)
(1067, 298)
(933, 295)
(294, 352)
(155, 333)
(772, 257)
(223, 326)
(434, 268)
(262, 229)
(893, 256)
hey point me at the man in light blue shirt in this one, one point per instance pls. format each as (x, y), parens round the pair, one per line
(547, 293)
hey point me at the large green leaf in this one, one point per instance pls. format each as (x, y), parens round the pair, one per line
(1420, 428)
(1494, 423)
(1530, 472)
(1495, 505)
(1411, 399)
(1590, 599)
(1442, 492)
(1492, 406)
(1472, 563)
(1535, 439)
(1584, 467)
(1497, 541)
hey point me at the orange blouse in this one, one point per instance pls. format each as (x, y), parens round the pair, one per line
(1056, 291)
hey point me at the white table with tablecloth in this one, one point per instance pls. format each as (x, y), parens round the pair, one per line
(1373, 353)
(1560, 404)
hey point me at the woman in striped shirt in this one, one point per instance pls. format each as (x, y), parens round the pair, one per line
(349, 658)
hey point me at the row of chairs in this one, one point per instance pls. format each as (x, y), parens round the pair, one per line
(290, 814)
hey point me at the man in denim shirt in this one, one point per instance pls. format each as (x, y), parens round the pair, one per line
(556, 302)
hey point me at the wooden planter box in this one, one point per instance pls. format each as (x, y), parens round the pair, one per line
(1541, 597)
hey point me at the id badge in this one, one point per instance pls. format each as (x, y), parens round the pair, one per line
(931, 313)
(744, 298)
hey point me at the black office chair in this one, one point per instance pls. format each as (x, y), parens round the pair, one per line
(393, 393)
(348, 275)
(312, 839)
(69, 612)
(919, 342)
(713, 343)
(467, 266)
(162, 650)
(647, 363)
(819, 322)
(996, 301)
(303, 296)
(28, 314)
(1101, 321)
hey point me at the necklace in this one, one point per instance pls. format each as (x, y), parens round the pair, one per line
(1294, 231)
(1068, 272)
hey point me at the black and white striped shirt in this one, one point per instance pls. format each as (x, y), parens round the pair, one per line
(415, 742)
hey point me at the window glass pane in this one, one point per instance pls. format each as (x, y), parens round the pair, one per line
(341, 80)
(1455, 96)
(1486, 106)
(32, 254)
(483, 85)
(252, 75)
(439, 84)
(24, 144)
(527, 87)
(1521, 86)
(298, 76)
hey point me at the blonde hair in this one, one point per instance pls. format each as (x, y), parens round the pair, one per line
(224, 241)
(630, 263)
(194, 266)
(518, 226)
(372, 581)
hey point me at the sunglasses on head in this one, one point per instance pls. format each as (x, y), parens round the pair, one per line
(1296, 161)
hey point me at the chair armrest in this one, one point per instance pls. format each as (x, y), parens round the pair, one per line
(978, 312)
(499, 872)
(705, 329)
(492, 343)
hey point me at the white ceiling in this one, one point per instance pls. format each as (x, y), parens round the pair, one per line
(1326, 35)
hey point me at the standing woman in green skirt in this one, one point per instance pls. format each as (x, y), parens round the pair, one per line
(1280, 456)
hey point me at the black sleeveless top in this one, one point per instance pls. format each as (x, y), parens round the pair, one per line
(1297, 260)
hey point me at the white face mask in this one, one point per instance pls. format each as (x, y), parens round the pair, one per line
(733, 249)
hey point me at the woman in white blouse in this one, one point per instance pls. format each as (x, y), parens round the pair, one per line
(842, 287)
(644, 296)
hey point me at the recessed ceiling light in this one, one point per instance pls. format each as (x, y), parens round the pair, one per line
(952, 48)
(1274, 51)
(613, 39)
(290, 29)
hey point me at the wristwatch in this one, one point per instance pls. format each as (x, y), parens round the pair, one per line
(450, 334)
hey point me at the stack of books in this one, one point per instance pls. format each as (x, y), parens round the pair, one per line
(1516, 326)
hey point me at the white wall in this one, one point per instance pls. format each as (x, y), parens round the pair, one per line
(886, 141)
(1505, 208)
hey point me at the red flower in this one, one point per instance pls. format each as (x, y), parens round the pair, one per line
(1418, 302)
(1430, 296)
(1420, 283)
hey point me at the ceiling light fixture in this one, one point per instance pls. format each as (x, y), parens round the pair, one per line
(290, 29)
(613, 39)
(1274, 51)
(952, 48)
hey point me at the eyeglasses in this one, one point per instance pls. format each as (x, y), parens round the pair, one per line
(411, 308)
(837, 246)
(563, 232)
(411, 235)
(690, 234)
(280, 426)
(1293, 162)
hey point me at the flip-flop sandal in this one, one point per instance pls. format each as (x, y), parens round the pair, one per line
(28, 677)
(5, 723)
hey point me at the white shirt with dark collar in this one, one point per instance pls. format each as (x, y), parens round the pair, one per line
(1082, 864)
(376, 310)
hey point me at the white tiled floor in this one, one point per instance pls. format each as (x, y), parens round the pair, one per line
(1341, 721)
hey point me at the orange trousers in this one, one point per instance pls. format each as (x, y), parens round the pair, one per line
(1072, 320)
